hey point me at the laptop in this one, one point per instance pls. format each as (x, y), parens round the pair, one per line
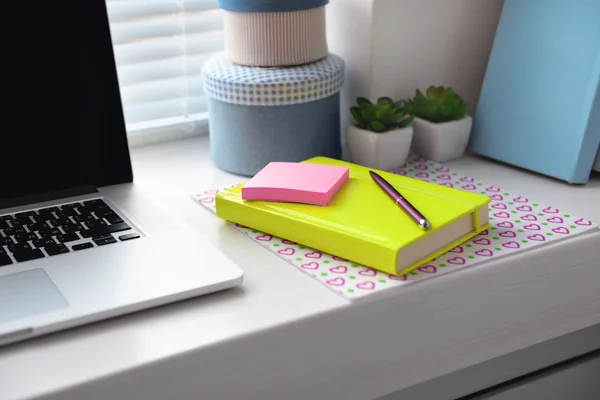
(78, 242)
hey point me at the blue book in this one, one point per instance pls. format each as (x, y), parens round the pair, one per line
(539, 106)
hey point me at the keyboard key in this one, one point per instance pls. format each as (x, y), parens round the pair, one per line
(72, 227)
(6, 218)
(14, 230)
(25, 237)
(6, 241)
(36, 226)
(60, 221)
(69, 211)
(26, 255)
(55, 249)
(99, 231)
(69, 206)
(100, 241)
(13, 248)
(4, 258)
(95, 203)
(113, 218)
(43, 242)
(4, 224)
(44, 216)
(96, 223)
(82, 246)
(48, 231)
(129, 236)
(67, 237)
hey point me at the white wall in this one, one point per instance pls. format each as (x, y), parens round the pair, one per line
(391, 47)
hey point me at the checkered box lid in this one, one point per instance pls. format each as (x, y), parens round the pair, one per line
(236, 84)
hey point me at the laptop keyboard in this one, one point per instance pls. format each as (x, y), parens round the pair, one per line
(57, 230)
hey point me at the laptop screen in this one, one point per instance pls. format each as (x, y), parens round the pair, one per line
(73, 135)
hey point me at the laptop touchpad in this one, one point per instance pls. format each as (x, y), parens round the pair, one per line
(28, 293)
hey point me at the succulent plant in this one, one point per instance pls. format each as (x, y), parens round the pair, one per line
(438, 104)
(382, 116)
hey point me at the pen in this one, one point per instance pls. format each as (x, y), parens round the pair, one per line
(421, 221)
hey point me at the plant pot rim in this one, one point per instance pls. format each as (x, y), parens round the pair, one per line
(467, 116)
(381, 133)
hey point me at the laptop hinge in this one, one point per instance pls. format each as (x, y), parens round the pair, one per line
(49, 196)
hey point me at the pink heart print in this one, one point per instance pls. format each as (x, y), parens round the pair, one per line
(537, 237)
(310, 265)
(561, 230)
(550, 210)
(505, 224)
(444, 177)
(428, 269)
(484, 252)
(339, 258)
(457, 249)
(264, 238)
(469, 187)
(340, 269)
(583, 222)
(529, 217)
(287, 242)
(511, 245)
(556, 220)
(420, 159)
(502, 214)
(520, 199)
(421, 167)
(422, 175)
(336, 282)
(482, 241)
(287, 252)
(496, 197)
(466, 179)
(368, 272)
(492, 189)
(206, 199)
(524, 207)
(442, 169)
(212, 191)
(401, 172)
(241, 226)
(313, 254)
(456, 260)
(507, 234)
(398, 278)
(533, 227)
(447, 184)
(500, 206)
(368, 285)
(484, 233)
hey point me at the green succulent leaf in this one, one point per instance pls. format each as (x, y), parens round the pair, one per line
(437, 104)
(361, 101)
(377, 126)
(355, 111)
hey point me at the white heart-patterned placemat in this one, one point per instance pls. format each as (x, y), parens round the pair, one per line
(516, 223)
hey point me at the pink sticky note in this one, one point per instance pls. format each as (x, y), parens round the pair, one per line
(296, 182)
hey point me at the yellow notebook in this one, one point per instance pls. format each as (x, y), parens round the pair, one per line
(363, 225)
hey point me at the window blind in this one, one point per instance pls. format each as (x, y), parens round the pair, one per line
(160, 46)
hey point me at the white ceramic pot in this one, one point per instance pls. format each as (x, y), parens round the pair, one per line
(383, 151)
(441, 141)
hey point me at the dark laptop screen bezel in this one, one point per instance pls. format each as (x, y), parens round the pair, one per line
(78, 142)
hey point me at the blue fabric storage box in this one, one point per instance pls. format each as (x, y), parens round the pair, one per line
(259, 115)
(274, 33)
